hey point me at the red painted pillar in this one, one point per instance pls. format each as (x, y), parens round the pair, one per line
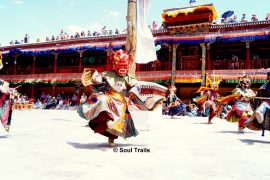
(248, 62)
(34, 64)
(209, 66)
(138, 67)
(80, 61)
(170, 58)
(55, 63)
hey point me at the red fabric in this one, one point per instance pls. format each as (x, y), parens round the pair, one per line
(99, 125)
(242, 121)
(211, 115)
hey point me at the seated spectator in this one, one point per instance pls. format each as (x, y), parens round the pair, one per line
(48, 39)
(244, 18)
(104, 31)
(88, 33)
(82, 34)
(235, 62)
(77, 35)
(66, 36)
(48, 97)
(43, 96)
(66, 103)
(58, 97)
(110, 32)
(83, 98)
(224, 21)
(267, 17)
(52, 103)
(60, 104)
(116, 31)
(74, 100)
(38, 105)
(254, 18)
(61, 34)
(233, 20)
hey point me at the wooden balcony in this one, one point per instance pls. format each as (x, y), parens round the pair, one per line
(240, 64)
(182, 65)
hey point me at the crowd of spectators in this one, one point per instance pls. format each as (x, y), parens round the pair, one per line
(244, 19)
(64, 35)
(46, 101)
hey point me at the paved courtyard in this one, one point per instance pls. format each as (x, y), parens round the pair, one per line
(56, 145)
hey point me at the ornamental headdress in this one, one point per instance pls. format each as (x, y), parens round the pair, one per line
(244, 78)
(212, 82)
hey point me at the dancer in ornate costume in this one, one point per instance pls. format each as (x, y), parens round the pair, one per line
(114, 94)
(6, 101)
(207, 102)
(242, 95)
(260, 120)
(175, 105)
(6, 104)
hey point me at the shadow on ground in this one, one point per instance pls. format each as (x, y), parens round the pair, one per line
(101, 146)
(234, 132)
(253, 141)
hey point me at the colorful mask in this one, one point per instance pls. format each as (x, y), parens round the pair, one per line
(245, 82)
(121, 61)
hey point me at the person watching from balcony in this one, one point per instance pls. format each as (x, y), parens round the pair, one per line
(61, 35)
(244, 18)
(82, 34)
(233, 20)
(66, 35)
(254, 18)
(116, 31)
(110, 32)
(77, 35)
(26, 38)
(255, 57)
(104, 30)
(267, 17)
(217, 62)
(89, 33)
(224, 21)
(235, 62)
